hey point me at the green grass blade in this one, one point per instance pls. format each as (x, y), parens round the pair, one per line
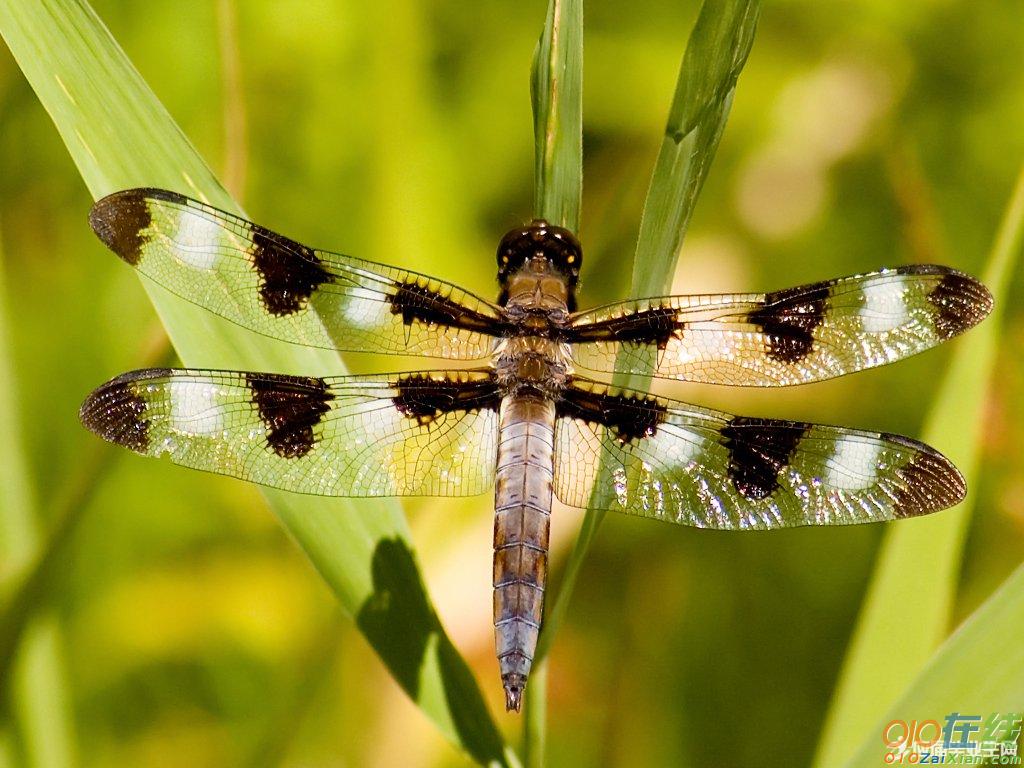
(979, 670)
(715, 55)
(35, 681)
(906, 612)
(535, 718)
(17, 502)
(43, 698)
(119, 135)
(556, 86)
(27, 593)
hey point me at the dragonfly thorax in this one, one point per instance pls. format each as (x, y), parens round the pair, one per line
(533, 364)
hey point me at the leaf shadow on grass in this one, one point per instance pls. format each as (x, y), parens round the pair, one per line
(399, 595)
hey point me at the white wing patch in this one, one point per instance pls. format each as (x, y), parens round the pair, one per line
(854, 464)
(194, 408)
(885, 306)
(362, 308)
(676, 444)
(374, 457)
(194, 240)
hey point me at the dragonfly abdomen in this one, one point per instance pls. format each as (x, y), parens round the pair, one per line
(522, 521)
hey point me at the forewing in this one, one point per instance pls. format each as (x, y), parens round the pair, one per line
(793, 336)
(672, 461)
(280, 288)
(414, 434)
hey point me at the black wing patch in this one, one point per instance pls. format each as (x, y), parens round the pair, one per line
(629, 417)
(290, 407)
(649, 326)
(419, 303)
(289, 272)
(788, 319)
(759, 449)
(960, 303)
(424, 397)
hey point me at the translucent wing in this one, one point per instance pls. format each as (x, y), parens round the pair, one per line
(672, 461)
(413, 434)
(271, 284)
(793, 336)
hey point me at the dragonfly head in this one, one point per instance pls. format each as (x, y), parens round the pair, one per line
(542, 248)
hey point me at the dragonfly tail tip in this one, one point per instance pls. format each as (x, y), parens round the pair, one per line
(514, 685)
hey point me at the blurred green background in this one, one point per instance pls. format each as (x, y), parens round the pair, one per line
(183, 627)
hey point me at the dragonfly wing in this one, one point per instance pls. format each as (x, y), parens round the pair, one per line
(664, 459)
(794, 336)
(411, 434)
(275, 286)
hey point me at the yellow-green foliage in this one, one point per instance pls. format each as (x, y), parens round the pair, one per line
(153, 616)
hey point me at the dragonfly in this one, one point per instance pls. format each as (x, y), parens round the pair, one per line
(523, 419)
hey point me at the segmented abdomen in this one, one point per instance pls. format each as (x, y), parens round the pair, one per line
(522, 520)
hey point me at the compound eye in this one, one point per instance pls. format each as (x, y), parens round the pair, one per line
(567, 251)
(509, 246)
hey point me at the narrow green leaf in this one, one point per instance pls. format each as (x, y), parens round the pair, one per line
(906, 612)
(557, 91)
(17, 502)
(979, 670)
(535, 718)
(120, 136)
(26, 594)
(43, 698)
(715, 55)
